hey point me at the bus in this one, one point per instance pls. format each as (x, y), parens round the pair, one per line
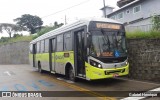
(91, 49)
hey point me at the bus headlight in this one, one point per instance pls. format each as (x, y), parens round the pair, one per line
(127, 62)
(99, 66)
(95, 64)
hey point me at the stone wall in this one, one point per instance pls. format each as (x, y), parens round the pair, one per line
(14, 53)
(144, 59)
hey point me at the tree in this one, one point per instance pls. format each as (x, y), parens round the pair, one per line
(32, 23)
(156, 22)
(56, 25)
(10, 28)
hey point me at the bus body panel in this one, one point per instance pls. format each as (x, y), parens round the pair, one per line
(61, 59)
(44, 60)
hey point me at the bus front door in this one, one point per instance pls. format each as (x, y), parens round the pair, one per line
(79, 53)
(52, 43)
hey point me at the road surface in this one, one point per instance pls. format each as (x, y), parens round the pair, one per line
(23, 81)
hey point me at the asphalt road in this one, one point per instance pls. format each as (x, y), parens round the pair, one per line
(23, 81)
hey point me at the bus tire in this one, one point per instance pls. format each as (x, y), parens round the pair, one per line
(71, 74)
(39, 67)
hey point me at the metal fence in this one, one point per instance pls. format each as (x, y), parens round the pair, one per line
(144, 28)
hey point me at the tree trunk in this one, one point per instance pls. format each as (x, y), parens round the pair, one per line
(9, 34)
(32, 30)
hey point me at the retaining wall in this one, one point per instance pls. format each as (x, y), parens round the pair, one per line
(144, 59)
(14, 53)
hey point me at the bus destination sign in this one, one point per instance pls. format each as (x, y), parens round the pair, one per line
(107, 25)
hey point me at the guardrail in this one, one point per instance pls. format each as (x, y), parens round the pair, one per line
(144, 28)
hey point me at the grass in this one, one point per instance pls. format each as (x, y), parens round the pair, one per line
(143, 35)
(17, 39)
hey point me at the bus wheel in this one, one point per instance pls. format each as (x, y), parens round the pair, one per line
(71, 75)
(39, 67)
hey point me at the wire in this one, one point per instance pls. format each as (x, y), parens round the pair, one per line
(65, 9)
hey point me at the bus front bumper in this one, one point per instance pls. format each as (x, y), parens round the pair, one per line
(93, 73)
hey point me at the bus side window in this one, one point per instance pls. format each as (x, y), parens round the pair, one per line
(53, 45)
(60, 42)
(67, 41)
(42, 46)
(38, 47)
(46, 43)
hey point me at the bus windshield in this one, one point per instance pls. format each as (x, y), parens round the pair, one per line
(108, 44)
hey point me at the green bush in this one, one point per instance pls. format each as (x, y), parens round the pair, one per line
(156, 22)
(42, 31)
(5, 40)
(47, 29)
(17, 35)
(141, 34)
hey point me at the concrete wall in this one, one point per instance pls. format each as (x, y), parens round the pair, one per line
(14, 53)
(144, 58)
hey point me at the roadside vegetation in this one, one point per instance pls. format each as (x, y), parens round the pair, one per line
(47, 29)
(144, 35)
(18, 38)
(154, 33)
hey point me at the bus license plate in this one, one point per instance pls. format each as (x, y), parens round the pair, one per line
(115, 75)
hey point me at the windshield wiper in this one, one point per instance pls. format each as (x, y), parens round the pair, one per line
(108, 42)
(116, 41)
(99, 46)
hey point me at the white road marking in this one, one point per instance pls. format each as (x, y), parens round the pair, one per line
(62, 79)
(137, 81)
(155, 91)
(68, 81)
(133, 98)
(7, 72)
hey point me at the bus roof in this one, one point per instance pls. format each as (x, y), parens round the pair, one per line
(74, 25)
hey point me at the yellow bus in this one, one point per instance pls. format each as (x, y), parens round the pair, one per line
(90, 49)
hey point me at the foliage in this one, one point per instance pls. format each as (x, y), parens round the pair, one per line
(10, 28)
(42, 31)
(17, 35)
(32, 23)
(141, 34)
(156, 22)
(5, 40)
(47, 29)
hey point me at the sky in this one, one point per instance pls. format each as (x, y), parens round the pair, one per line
(52, 10)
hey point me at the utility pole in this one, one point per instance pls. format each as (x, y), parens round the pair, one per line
(104, 8)
(65, 20)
